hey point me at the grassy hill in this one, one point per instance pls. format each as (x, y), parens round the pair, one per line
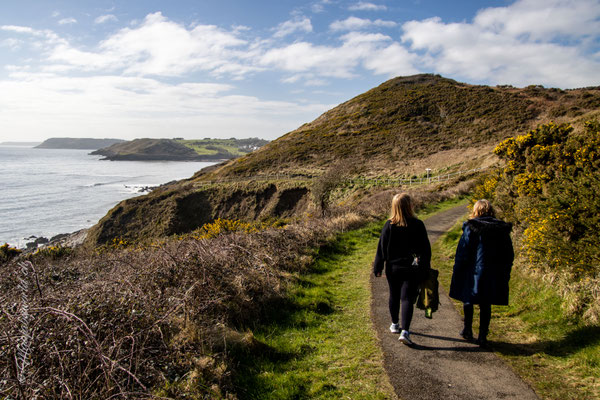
(405, 122)
(180, 149)
(397, 129)
(223, 148)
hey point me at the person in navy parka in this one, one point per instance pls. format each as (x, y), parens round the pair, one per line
(482, 267)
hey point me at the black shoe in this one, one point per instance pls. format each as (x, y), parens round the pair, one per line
(467, 334)
(482, 342)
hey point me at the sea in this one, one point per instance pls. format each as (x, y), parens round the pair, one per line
(46, 192)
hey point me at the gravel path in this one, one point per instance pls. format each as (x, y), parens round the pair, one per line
(441, 365)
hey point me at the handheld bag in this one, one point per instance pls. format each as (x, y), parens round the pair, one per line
(429, 298)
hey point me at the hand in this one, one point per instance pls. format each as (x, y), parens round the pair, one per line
(377, 274)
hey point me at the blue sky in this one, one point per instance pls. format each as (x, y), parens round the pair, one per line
(210, 68)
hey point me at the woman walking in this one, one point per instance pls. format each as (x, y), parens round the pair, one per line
(404, 252)
(482, 266)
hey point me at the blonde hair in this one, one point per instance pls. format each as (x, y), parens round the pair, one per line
(482, 208)
(402, 209)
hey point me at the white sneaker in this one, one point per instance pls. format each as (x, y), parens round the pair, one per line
(405, 338)
(395, 328)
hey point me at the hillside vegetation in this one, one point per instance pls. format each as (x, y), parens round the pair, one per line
(397, 129)
(400, 126)
(180, 149)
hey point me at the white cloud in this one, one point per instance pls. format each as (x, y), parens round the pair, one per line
(67, 21)
(354, 23)
(11, 43)
(159, 46)
(393, 60)
(365, 6)
(55, 14)
(43, 39)
(304, 57)
(17, 29)
(355, 38)
(16, 67)
(510, 45)
(319, 6)
(316, 82)
(372, 51)
(301, 24)
(543, 20)
(105, 18)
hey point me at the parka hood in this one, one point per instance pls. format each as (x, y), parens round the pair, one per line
(488, 225)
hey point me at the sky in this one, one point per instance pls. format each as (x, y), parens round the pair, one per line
(239, 68)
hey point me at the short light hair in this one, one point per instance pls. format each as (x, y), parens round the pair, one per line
(402, 209)
(482, 208)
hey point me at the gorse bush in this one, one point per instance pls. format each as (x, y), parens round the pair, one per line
(221, 226)
(7, 252)
(549, 190)
(53, 252)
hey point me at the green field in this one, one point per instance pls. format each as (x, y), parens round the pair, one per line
(228, 148)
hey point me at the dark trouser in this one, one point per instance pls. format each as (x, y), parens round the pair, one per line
(403, 290)
(485, 315)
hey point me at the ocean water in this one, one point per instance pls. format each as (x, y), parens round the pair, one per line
(45, 192)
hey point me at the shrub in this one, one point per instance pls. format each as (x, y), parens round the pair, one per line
(549, 190)
(53, 252)
(138, 322)
(7, 252)
(221, 226)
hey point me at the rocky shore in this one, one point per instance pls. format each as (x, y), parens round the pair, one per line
(63, 239)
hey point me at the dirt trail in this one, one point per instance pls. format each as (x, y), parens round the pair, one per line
(441, 365)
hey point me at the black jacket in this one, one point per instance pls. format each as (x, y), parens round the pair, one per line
(402, 242)
(483, 262)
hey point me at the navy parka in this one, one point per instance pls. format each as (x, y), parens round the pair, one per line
(483, 262)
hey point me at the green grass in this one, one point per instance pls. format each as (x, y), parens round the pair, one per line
(430, 209)
(231, 147)
(213, 146)
(559, 357)
(320, 343)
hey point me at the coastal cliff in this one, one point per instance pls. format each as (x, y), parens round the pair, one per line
(179, 149)
(77, 143)
(149, 150)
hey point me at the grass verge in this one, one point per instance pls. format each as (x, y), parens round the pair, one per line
(560, 358)
(320, 343)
